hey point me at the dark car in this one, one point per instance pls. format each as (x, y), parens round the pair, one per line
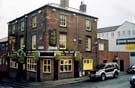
(131, 69)
(132, 80)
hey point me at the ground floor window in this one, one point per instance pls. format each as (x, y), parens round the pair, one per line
(47, 65)
(13, 64)
(31, 64)
(87, 64)
(66, 65)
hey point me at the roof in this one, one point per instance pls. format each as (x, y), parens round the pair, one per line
(4, 39)
(107, 29)
(57, 6)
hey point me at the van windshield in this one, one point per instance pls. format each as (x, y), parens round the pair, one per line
(100, 66)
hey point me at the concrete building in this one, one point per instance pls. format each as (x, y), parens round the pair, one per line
(57, 33)
(121, 38)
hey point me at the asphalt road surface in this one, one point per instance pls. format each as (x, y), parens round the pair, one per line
(120, 82)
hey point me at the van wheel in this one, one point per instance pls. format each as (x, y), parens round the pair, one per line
(116, 75)
(103, 77)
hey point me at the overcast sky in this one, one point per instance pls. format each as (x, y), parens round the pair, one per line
(109, 12)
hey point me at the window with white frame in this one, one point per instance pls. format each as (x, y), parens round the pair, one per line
(62, 40)
(101, 46)
(22, 26)
(21, 42)
(13, 28)
(13, 64)
(31, 64)
(33, 45)
(34, 21)
(118, 33)
(63, 20)
(88, 44)
(47, 65)
(123, 32)
(65, 65)
(88, 25)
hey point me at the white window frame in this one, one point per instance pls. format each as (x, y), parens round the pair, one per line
(34, 22)
(13, 64)
(66, 63)
(101, 46)
(34, 42)
(21, 42)
(63, 41)
(88, 44)
(63, 20)
(31, 65)
(88, 25)
(47, 65)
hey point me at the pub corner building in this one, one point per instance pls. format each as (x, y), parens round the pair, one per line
(52, 42)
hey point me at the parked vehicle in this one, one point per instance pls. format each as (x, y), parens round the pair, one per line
(131, 69)
(132, 80)
(105, 70)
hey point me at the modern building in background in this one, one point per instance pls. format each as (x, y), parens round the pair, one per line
(63, 37)
(121, 38)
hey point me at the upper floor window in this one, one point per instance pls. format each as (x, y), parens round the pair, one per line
(22, 26)
(129, 32)
(12, 41)
(34, 21)
(21, 42)
(88, 44)
(63, 41)
(33, 42)
(88, 25)
(47, 65)
(52, 38)
(63, 20)
(101, 46)
(13, 28)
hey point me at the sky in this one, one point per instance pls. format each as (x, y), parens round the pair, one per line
(109, 12)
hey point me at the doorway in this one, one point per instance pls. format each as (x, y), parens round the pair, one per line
(56, 69)
(121, 65)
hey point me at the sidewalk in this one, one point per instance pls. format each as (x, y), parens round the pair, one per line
(50, 84)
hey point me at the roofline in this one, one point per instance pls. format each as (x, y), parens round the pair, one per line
(47, 5)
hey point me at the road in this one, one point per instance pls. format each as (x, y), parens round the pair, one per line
(121, 82)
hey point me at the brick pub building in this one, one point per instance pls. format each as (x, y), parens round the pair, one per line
(59, 34)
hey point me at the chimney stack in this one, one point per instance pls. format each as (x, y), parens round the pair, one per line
(83, 7)
(64, 3)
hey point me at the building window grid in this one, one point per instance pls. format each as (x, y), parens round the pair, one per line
(13, 64)
(22, 42)
(63, 41)
(129, 32)
(63, 20)
(13, 28)
(34, 21)
(88, 44)
(33, 45)
(22, 26)
(133, 32)
(66, 65)
(31, 65)
(88, 25)
(47, 66)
